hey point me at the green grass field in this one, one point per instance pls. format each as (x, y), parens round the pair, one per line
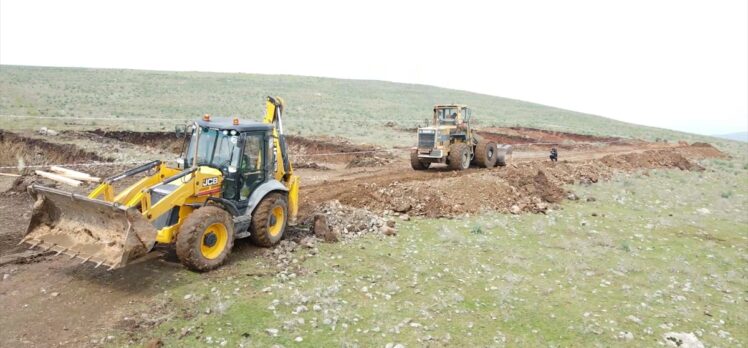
(354, 109)
(649, 255)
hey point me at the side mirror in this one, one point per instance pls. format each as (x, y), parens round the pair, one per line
(180, 130)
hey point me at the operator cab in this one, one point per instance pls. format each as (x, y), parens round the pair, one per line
(451, 115)
(240, 149)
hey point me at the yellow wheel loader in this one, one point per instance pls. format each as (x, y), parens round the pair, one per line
(234, 180)
(451, 140)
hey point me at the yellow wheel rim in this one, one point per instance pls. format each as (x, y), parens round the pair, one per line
(276, 221)
(214, 240)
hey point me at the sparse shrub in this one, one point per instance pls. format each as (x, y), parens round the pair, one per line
(726, 194)
(625, 247)
(476, 230)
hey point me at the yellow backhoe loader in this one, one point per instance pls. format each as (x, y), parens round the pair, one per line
(234, 180)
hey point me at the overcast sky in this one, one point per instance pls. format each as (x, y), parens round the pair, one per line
(674, 64)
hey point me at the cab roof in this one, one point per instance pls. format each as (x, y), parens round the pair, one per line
(442, 106)
(228, 123)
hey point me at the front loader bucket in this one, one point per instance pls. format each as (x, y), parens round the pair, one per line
(93, 230)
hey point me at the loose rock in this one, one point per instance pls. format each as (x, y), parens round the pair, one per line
(272, 332)
(389, 231)
(682, 339)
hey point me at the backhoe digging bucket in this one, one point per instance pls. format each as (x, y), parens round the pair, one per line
(90, 229)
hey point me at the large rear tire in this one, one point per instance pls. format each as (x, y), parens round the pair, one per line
(205, 239)
(485, 154)
(459, 156)
(269, 220)
(416, 163)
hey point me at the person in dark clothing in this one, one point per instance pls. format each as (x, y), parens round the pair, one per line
(554, 154)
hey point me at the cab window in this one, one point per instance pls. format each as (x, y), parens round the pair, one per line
(253, 157)
(251, 166)
(466, 114)
(446, 115)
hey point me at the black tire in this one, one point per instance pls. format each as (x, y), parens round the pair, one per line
(485, 154)
(205, 239)
(416, 163)
(264, 228)
(459, 156)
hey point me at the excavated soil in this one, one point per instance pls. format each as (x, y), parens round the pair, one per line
(167, 141)
(556, 136)
(326, 149)
(701, 151)
(305, 152)
(18, 150)
(342, 221)
(370, 160)
(538, 138)
(530, 186)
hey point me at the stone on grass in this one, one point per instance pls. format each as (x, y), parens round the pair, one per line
(682, 339)
(388, 231)
(272, 332)
(634, 319)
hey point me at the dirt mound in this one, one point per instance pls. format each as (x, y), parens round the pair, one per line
(310, 152)
(521, 187)
(530, 139)
(19, 149)
(702, 150)
(538, 185)
(344, 221)
(649, 160)
(305, 152)
(701, 144)
(455, 195)
(324, 149)
(308, 165)
(526, 186)
(539, 138)
(370, 160)
(167, 141)
(556, 136)
(506, 138)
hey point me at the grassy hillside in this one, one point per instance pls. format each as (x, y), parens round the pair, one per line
(355, 109)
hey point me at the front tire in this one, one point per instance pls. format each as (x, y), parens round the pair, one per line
(269, 220)
(205, 239)
(416, 163)
(459, 157)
